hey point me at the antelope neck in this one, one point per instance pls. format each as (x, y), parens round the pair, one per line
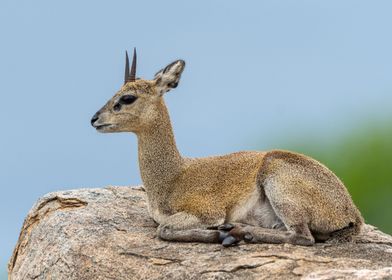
(159, 158)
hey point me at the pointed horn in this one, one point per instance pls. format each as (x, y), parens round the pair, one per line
(126, 75)
(132, 74)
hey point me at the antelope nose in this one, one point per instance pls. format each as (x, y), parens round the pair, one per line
(94, 118)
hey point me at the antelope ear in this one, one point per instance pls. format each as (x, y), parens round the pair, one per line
(169, 77)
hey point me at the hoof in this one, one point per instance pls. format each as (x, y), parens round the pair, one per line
(226, 227)
(223, 235)
(248, 237)
(230, 241)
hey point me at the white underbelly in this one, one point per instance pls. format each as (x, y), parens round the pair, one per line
(254, 210)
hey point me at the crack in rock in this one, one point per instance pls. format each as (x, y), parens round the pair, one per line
(238, 267)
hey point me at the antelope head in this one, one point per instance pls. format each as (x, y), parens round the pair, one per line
(136, 106)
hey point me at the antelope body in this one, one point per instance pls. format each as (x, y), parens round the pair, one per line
(271, 197)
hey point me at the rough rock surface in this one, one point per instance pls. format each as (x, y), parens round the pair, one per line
(107, 234)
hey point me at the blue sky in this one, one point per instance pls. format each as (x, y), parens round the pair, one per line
(258, 74)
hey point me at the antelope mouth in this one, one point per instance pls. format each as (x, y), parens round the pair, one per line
(103, 126)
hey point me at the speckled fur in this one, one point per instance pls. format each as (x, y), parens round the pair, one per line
(277, 190)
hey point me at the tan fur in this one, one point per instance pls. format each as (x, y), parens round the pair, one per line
(314, 188)
(276, 189)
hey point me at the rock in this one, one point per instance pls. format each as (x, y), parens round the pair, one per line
(107, 234)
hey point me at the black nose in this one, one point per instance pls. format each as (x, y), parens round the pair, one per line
(95, 118)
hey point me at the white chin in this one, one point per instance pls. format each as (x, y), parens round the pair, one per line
(106, 128)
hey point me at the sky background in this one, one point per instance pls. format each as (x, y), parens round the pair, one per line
(259, 74)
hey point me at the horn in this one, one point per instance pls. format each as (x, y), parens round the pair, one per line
(132, 74)
(126, 75)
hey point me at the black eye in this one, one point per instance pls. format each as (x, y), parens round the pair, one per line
(127, 99)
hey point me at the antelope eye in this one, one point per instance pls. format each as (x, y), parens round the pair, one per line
(127, 99)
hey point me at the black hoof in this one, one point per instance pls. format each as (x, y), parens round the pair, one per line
(223, 235)
(226, 227)
(229, 241)
(248, 237)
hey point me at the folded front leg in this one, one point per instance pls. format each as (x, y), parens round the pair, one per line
(184, 227)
